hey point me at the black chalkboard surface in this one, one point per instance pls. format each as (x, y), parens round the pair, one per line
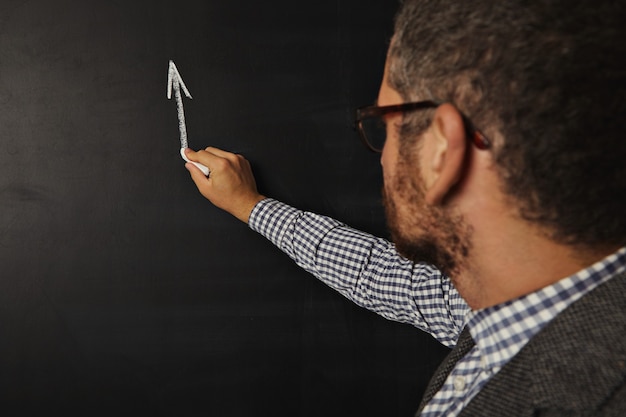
(123, 291)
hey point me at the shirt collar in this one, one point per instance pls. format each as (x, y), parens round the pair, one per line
(501, 331)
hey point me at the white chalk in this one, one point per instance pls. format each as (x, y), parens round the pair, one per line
(204, 169)
(175, 81)
(173, 78)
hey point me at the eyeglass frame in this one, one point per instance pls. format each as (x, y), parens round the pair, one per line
(366, 112)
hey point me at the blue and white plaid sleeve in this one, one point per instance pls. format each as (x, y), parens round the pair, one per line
(365, 269)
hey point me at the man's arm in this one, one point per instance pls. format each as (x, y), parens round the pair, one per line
(366, 269)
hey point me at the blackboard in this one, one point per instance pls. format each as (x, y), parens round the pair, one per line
(123, 291)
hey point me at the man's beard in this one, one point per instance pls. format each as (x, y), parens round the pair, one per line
(421, 232)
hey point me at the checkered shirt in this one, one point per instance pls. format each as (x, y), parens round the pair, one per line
(365, 269)
(369, 271)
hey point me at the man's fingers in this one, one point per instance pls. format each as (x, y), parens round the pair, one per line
(205, 158)
(212, 157)
(221, 153)
(196, 174)
(216, 151)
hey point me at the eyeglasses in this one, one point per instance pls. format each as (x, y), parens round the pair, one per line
(372, 129)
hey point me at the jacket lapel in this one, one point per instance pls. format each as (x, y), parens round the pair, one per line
(463, 346)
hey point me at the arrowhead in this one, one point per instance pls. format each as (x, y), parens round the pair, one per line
(174, 79)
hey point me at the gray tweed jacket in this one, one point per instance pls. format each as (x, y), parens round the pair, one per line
(576, 366)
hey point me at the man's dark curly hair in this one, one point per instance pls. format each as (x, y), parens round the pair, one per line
(546, 81)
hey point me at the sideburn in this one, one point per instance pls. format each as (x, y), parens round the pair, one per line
(421, 232)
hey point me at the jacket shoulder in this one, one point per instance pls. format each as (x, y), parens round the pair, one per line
(575, 366)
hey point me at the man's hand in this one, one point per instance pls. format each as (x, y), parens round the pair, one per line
(230, 185)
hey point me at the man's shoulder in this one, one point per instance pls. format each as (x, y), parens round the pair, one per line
(576, 365)
(579, 359)
(597, 319)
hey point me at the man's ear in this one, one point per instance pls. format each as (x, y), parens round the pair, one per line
(446, 155)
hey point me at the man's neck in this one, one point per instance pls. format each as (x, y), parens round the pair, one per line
(505, 266)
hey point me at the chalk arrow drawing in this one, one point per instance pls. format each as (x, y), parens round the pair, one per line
(175, 81)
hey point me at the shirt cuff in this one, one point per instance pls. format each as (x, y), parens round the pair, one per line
(271, 218)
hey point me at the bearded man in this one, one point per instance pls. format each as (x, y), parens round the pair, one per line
(505, 194)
